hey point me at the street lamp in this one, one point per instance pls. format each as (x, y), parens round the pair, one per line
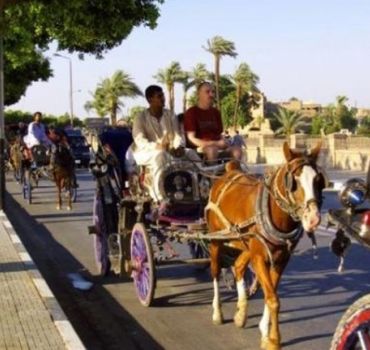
(70, 85)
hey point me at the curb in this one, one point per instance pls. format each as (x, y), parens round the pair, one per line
(60, 320)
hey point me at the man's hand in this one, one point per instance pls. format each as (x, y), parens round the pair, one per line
(164, 145)
(221, 143)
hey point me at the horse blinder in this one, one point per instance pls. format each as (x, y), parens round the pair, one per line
(290, 182)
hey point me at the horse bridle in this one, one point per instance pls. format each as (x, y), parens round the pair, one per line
(286, 201)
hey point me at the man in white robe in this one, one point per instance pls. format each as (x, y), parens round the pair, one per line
(155, 132)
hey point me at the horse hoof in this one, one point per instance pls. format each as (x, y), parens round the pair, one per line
(58, 207)
(268, 344)
(240, 320)
(264, 342)
(218, 320)
(69, 208)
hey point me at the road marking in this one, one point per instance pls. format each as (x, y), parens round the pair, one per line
(71, 340)
(25, 257)
(43, 288)
(15, 239)
(7, 224)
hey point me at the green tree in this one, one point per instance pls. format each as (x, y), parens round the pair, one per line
(290, 121)
(186, 83)
(84, 26)
(364, 127)
(169, 76)
(15, 117)
(345, 117)
(245, 82)
(317, 124)
(219, 47)
(199, 74)
(133, 112)
(109, 93)
(335, 117)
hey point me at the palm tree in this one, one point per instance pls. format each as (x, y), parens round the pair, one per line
(169, 76)
(109, 92)
(96, 104)
(219, 47)
(289, 121)
(186, 85)
(341, 100)
(245, 82)
(199, 74)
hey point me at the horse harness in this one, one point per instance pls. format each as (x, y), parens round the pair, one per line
(262, 218)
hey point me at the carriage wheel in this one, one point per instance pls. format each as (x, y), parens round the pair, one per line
(34, 180)
(353, 330)
(142, 263)
(27, 188)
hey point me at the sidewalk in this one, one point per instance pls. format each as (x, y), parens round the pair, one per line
(30, 316)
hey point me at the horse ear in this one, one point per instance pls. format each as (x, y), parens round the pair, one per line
(316, 150)
(288, 153)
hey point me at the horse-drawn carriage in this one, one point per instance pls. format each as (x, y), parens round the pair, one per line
(131, 238)
(31, 165)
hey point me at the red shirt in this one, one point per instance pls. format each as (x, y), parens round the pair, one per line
(206, 123)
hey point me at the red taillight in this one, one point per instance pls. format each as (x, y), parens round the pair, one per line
(366, 218)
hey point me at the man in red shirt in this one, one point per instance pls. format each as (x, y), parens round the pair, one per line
(203, 125)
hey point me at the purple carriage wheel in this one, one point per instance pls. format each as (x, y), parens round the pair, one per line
(142, 264)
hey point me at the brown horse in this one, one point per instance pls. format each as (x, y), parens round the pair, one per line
(264, 220)
(62, 165)
(15, 156)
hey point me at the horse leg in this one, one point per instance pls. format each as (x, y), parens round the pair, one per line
(69, 197)
(59, 195)
(264, 325)
(272, 303)
(214, 251)
(241, 263)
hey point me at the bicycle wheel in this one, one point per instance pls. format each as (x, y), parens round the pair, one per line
(353, 330)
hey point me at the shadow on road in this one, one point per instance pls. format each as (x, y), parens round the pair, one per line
(100, 321)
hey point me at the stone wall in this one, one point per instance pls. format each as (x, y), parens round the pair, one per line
(338, 151)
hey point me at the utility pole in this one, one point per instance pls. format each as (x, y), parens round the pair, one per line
(70, 85)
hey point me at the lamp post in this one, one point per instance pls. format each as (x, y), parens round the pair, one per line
(70, 85)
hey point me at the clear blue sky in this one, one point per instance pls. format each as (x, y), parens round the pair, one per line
(314, 50)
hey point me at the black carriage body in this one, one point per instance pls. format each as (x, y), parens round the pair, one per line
(40, 156)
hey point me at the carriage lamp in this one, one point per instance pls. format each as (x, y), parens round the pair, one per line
(365, 226)
(353, 193)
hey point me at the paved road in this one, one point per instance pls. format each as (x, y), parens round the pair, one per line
(313, 294)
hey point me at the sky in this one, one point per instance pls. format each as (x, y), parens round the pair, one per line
(314, 50)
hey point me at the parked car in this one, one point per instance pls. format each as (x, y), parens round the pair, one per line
(79, 146)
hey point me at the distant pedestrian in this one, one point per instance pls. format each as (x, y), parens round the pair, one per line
(238, 140)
